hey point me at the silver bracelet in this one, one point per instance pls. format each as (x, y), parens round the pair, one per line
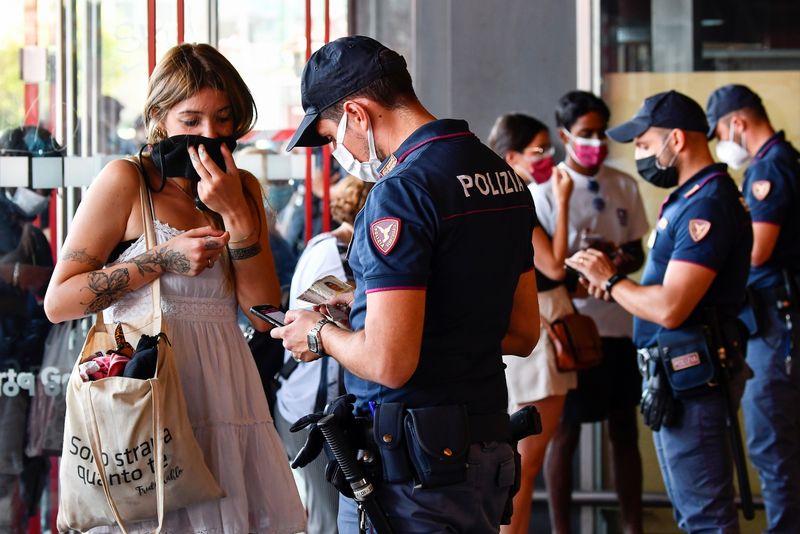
(15, 274)
(245, 252)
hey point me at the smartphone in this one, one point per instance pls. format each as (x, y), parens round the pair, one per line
(574, 271)
(272, 314)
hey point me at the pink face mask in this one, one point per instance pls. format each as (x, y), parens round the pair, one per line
(542, 169)
(589, 153)
(540, 166)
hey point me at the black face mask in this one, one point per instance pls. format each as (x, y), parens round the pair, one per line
(171, 156)
(649, 170)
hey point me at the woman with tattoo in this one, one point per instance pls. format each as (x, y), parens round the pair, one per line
(212, 254)
(524, 142)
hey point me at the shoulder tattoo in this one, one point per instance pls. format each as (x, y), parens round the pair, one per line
(81, 256)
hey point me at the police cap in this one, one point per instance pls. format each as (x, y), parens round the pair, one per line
(731, 97)
(669, 109)
(338, 69)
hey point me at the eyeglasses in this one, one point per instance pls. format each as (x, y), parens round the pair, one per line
(594, 187)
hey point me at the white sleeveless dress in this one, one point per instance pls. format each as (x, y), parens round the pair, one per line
(226, 403)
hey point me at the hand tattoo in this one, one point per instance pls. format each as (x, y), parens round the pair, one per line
(107, 288)
(211, 245)
(167, 260)
(81, 256)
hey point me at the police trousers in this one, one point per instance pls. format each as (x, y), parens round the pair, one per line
(771, 406)
(695, 460)
(475, 505)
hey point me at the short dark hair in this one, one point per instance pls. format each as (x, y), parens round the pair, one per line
(391, 91)
(575, 105)
(514, 131)
(758, 111)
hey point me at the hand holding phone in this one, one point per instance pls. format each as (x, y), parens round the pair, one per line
(270, 313)
(574, 271)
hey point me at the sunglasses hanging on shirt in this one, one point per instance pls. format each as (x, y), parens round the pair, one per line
(598, 202)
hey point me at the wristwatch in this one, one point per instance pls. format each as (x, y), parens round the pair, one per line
(315, 339)
(614, 280)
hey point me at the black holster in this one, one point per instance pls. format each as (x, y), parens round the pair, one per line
(429, 445)
(438, 441)
(692, 356)
(389, 437)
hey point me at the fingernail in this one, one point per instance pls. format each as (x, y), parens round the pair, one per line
(201, 151)
(192, 156)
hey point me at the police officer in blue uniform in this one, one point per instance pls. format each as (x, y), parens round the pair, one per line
(443, 265)
(738, 120)
(685, 307)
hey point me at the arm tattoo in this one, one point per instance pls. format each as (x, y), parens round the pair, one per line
(167, 260)
(107, 288)
(246, 252)
(81, 256)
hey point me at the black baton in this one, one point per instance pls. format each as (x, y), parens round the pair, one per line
(732, 422)
(737, 449)
(363, 490)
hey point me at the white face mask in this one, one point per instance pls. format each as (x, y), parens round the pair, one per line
(29, 202)
(732, 153)
(366, 171)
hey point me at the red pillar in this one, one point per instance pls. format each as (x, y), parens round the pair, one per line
(31, 39)
(151, 36)
(181, 24)
(309, 198)
(326, 150)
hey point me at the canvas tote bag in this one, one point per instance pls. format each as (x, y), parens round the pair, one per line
(129, 452)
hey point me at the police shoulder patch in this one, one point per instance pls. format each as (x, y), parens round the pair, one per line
(698, 229)
(384, 233)
(760, 189)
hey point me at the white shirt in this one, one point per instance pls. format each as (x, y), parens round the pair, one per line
(621, 220)
(298, 393)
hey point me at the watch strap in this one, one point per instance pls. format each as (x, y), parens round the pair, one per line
(614, 280)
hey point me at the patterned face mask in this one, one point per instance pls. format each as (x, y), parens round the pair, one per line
(589, 153)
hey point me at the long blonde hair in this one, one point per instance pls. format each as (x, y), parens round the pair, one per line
(185, 70)
(182, 72)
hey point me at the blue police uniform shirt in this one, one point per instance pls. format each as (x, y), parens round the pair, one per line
(449, 217)
(704, 221)
(772, 190)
